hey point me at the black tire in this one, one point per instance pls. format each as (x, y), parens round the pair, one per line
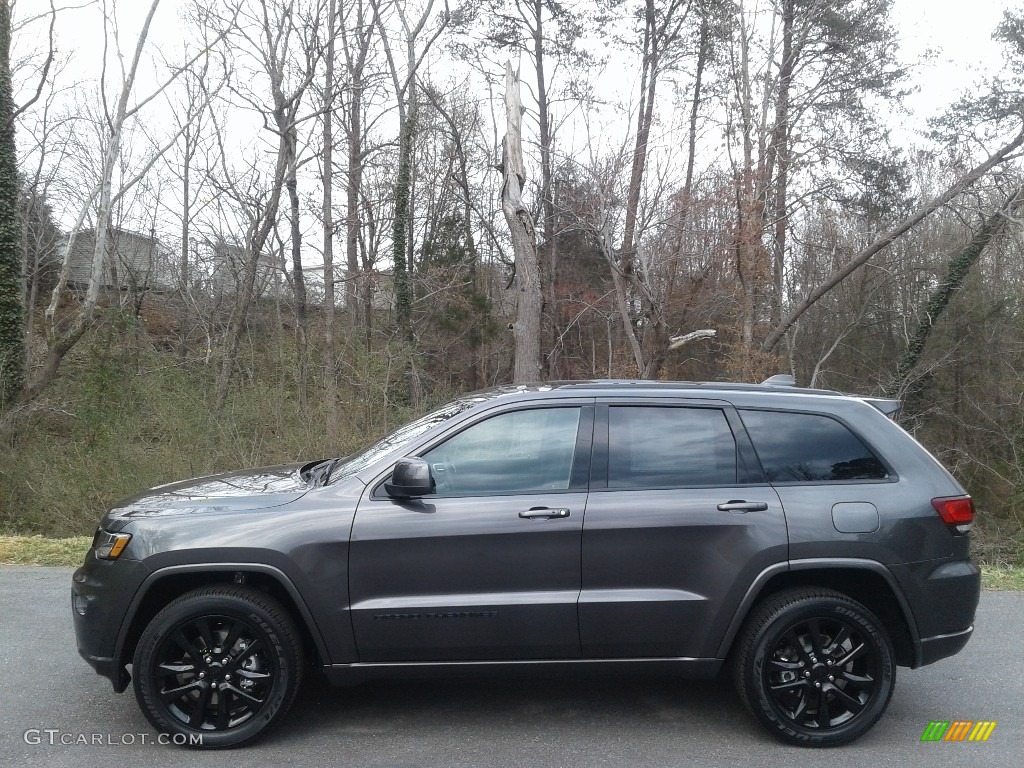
(233, 657)
(814, 667)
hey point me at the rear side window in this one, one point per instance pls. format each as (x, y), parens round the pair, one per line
(669, 447)
(805, 447)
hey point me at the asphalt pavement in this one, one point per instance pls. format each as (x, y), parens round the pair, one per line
(55, 711)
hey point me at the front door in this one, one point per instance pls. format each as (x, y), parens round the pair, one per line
(488, 567)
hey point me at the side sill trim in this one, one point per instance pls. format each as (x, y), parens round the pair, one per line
(346, 674)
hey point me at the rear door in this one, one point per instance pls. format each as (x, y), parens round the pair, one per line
(488, 567)
(680, 520)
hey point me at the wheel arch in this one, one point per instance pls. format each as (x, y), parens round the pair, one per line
(867, 581)
(165, 584)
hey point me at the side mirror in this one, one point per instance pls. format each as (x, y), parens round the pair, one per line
(410, 478)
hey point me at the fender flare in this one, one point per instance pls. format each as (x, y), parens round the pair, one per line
(819, 563)
(172, 570)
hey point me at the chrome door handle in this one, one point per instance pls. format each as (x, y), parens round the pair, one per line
(544, 513)
(737, 505)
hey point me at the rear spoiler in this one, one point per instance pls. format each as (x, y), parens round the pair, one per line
(889, 407)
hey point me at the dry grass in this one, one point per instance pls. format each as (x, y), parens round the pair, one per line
(39, 550)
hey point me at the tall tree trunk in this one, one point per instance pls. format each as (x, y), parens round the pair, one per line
(354, 278)
(183, 265)
(298, 275)
(779, 152)
(12, 318)
(330, 361)
(526, 329)
(400, 231)
(402, 278)
(956, 273)
(549, 266)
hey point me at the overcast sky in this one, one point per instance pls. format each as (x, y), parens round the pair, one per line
(958, 32)
(952, 40)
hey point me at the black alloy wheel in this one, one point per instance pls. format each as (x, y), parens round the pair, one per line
(815, 667)
(217, 667)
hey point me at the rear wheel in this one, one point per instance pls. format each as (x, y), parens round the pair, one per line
(218, 667)
(814, 667)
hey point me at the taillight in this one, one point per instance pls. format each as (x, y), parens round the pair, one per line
(957, 511)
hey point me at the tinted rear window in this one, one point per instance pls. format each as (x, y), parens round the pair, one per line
(669, 447)
(805, 447)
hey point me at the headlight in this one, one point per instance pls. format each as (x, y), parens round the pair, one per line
(109, 546)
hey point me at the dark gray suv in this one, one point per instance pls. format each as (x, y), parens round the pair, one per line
(798, 539)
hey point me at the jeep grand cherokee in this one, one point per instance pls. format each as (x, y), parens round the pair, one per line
(798, 539)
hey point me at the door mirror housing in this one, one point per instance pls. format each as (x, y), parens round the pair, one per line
(411, 478)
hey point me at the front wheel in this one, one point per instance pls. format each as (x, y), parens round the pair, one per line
(217, 667)
(814, 667)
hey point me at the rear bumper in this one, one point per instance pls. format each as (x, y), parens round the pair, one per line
(943, 596)
(941, 646)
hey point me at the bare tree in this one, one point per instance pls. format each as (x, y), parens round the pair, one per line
(526, 328)
(327, 176)
(403, 76)
(62, 335)
(887, 237)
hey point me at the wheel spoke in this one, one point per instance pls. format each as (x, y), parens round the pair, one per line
(823, 718)
(840, 638)
(791, 685)
(245, 694)
(853, 655)
(814, 630)
(176, 693)
(203, 627)
(222, 710)
(854, 705)
(183, 642)
(785, 666)
(858, 680)
(229, 641)
(253, 674)
(801, 706)
(176, 669)
(199, 713)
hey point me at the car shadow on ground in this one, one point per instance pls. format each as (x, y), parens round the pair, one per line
(582, 701)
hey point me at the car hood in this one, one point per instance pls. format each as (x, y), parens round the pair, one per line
(247, 489)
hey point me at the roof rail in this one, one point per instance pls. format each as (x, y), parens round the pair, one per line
(779, 380)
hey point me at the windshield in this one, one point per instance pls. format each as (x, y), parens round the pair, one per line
(399, 437)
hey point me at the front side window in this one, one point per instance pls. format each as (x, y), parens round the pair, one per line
(807, 447)
(669, 447)
(516, 452)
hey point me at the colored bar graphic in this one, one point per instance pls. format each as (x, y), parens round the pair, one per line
(982, 730)
(935, 731)
(958, 730)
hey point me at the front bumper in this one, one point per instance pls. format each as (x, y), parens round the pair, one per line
(101, 593)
